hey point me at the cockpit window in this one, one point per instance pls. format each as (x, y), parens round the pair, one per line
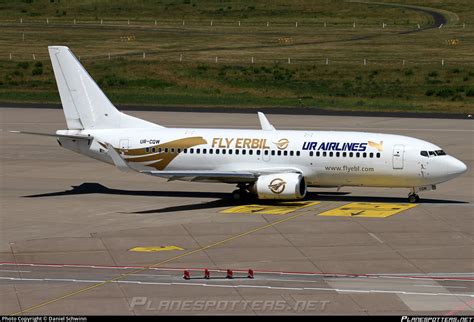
(430, 154)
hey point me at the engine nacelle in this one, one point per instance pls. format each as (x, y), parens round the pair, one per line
(289, 186)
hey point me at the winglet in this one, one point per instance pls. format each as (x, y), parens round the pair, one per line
(117, 159)
(266, 126)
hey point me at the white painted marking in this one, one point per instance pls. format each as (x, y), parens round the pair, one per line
(439, 286)
(376, 238)
(247, 286)
(12, 271)
(340, 277)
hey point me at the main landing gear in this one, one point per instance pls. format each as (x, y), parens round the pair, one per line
(242, 193)
(413, 196)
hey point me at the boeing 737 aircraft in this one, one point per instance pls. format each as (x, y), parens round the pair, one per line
(266, 163)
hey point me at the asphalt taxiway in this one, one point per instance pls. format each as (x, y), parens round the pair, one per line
(68, 227)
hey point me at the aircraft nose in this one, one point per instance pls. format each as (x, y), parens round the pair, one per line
(456, 167)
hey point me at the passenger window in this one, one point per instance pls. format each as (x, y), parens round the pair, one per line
(185, 150)
(191, 151)
(351, 154)
(244, 152)
(285, 153)
(166, 150)
(273, 152)
(318, 153)
(179, 150)
(266, 152)
(344, 154)
(278, 153)
(211, 151)
(217, 151)
(172, 150)
(204, 151)
(159, 150)
(337, 154)
(291, 153)
(258, 152)
(378, 155)
(230, 151)
(250, 152)
(364, 155)
(371, 155)
(297, 153)
(223, 151)
(324, 153)
(236, 152)
(147, 150)
(310, 153)
(357, 154)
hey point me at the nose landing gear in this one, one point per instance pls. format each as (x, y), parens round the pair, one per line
(413, 198)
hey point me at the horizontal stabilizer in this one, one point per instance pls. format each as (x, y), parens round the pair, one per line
(69, 136)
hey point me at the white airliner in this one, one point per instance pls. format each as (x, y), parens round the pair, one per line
(266, 163)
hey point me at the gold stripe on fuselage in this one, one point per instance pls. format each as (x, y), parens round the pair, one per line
(163, 158)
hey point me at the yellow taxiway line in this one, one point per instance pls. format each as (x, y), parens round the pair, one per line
(368, 209)
(282, 208)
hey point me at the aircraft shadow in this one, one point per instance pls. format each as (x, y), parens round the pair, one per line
(97, 188)
(331, 197)
(222, 199)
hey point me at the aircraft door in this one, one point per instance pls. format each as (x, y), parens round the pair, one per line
(398, 156)
(124, 145)
(266, 155)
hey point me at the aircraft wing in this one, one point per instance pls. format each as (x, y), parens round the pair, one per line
(246, 176)
(205, 175)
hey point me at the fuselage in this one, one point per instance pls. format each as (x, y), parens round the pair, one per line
(325, 158)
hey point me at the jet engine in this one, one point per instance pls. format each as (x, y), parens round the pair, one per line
(287, 186)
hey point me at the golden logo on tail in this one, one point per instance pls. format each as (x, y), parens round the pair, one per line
(375, 145)
(277, 186)
(282, 144)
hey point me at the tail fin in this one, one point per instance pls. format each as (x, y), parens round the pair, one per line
(85, 105)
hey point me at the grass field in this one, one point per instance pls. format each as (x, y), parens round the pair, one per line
(325, 61)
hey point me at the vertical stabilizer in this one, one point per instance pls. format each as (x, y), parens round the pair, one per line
(85, 105)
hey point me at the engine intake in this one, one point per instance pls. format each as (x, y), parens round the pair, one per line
(287, 186)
